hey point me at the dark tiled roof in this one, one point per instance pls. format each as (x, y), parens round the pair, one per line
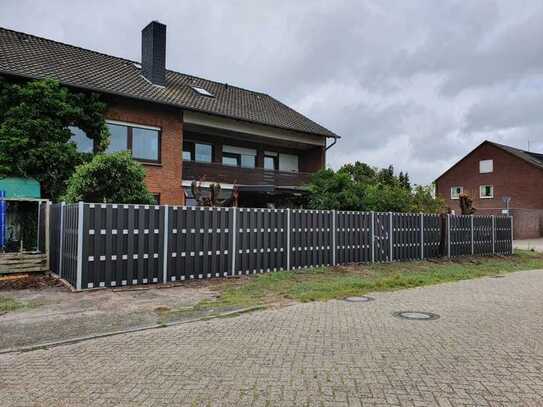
(34, 57)
(533, 158)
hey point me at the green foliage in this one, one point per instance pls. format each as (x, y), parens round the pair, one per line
(34, 135)
(359, 187)
(109, 178)
(423, 200)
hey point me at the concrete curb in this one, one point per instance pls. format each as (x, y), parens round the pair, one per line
(54, 344)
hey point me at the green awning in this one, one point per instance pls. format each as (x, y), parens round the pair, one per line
(20, 187)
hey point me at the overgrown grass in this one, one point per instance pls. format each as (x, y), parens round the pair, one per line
(321, 284)
(9, 304)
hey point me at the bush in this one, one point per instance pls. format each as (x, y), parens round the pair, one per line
(359, 187)
(109, 178)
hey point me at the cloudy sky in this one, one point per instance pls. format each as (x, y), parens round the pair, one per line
(416, 84)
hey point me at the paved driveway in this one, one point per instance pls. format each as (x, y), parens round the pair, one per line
(486, 349)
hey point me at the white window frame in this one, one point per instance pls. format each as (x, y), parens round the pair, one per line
(453, 196)
(481, 190)
(486, 166)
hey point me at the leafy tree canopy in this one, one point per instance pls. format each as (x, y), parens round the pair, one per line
(359, 187)
(109, 178)
(34, 134)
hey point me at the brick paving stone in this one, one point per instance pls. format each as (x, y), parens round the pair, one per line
(485, 350)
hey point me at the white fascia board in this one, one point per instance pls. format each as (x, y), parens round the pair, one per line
(238, 126)
(140, 126)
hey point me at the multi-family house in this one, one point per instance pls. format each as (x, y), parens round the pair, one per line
(181, 127)
(499, 179)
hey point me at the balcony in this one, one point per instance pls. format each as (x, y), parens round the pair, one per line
(215, 172)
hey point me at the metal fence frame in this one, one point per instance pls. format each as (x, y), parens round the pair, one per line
(110, 245)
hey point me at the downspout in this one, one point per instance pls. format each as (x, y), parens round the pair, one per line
(331, 145)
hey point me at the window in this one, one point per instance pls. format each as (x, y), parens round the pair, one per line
(156, 197)
(145, 144)
(486, 191)
(142, 142)
(118, 140)
(231, 159)
(197, 152)
(81, 141)
(456, 192)
(202, 91)
(486, 166)
(271, 160)
(239, 156)
(188, 148)
(203, 152)
(288, 162)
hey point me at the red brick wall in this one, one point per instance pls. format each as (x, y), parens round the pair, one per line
(512, 177)
(164, 178)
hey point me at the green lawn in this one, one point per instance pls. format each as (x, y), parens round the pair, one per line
(321, 284)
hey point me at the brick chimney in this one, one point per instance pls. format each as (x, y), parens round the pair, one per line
(153, 53)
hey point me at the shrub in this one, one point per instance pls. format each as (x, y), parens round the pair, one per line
(109, 178)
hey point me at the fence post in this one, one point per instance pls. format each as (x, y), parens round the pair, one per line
(334, 237)
(422, 236)
(493, 234)
(234, 235)
(39, 228)
(80, 234)
(61, 236)
(165, 251)
(372, 237)
(472, 242)
(449, 235)
(511, 234)
(391, 233)
(47, 234)
(288, 239)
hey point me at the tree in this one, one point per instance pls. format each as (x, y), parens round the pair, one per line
(109, 178)
(403, 179)
(34, 134)
(386, 176)
(423, 200)
(359, 187)
(335, 190)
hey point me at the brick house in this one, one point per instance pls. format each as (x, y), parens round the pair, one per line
(180, 127)
(499, 178)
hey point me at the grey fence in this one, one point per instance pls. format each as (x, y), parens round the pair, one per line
(108, 245)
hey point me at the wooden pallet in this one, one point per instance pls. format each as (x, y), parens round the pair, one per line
(25, 262)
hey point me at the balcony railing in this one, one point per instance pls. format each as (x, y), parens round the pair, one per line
(215, 172)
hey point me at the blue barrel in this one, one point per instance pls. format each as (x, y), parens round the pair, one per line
(2, 219)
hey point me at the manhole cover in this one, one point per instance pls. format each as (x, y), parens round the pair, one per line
(416, 315)
(359, 299)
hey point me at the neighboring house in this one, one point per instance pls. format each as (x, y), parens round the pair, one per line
(182, 128)
(497, 178)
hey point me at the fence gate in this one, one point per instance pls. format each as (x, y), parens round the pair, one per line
(381, 236)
